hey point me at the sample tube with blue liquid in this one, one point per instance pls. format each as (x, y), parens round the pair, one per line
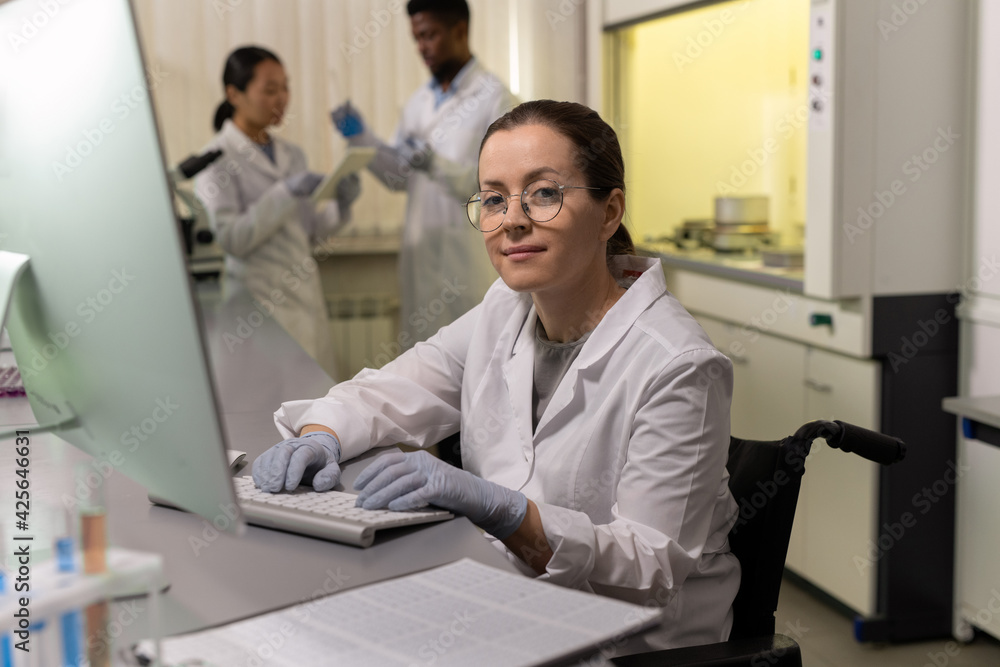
(70, 622)
(6, 641)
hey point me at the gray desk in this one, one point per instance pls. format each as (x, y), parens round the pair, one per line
(222, 577)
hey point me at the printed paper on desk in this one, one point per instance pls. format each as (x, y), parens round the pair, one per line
(464, 613)
(357, 158)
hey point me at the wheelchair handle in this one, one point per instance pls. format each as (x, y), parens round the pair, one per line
(871, 445)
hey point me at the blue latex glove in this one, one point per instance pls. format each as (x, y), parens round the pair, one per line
(347, 120)
(311, 458)
(303, 183)
(416, 152)
(402, 481)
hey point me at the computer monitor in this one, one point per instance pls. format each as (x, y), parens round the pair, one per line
(102, 320)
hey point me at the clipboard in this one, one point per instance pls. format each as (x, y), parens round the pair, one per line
(356, 159)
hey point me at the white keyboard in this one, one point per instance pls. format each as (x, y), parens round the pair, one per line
(329, 515)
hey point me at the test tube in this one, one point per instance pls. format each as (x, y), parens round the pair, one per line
(38, 655)
(93, 523)
(94, 540)
(98, 650)
(6, 641)
(71, 627)
(71, 622)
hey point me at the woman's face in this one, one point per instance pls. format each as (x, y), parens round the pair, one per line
(263, 103)
(565, 254)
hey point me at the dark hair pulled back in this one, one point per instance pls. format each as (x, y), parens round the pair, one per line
(239, 72)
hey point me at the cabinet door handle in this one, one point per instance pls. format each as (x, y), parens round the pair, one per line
(818, 386)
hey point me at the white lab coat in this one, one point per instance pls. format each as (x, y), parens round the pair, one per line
(267, 234)
(444, 269)
(627, 464)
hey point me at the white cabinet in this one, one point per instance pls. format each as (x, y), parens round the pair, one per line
(977, 531)
(768, 372)
(838, 503)
(977, 536)
(780, 384)
(798, 358)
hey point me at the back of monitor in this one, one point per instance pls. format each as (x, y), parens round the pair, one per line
(102, 320)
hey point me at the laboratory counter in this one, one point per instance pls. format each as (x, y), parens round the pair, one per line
(747, 267)
(980, 416)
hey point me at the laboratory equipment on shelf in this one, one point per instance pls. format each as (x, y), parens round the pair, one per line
(741, 223)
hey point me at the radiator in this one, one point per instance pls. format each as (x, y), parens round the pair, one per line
(364, 331)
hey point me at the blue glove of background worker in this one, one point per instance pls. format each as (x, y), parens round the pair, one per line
(303, 183)
(402, 481)
(312, 458)
(414, 151)
(347, 120)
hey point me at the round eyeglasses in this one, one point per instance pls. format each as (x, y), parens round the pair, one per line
(541, 201)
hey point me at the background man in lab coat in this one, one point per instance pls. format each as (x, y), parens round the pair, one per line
(443, 266)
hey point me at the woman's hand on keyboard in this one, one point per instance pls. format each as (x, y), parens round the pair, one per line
(406, 481)
(311, 458)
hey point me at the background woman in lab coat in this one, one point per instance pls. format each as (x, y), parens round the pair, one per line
(594, 411)
(257, 198)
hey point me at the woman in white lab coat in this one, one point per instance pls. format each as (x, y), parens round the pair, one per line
(594, 411)
(257, 198)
